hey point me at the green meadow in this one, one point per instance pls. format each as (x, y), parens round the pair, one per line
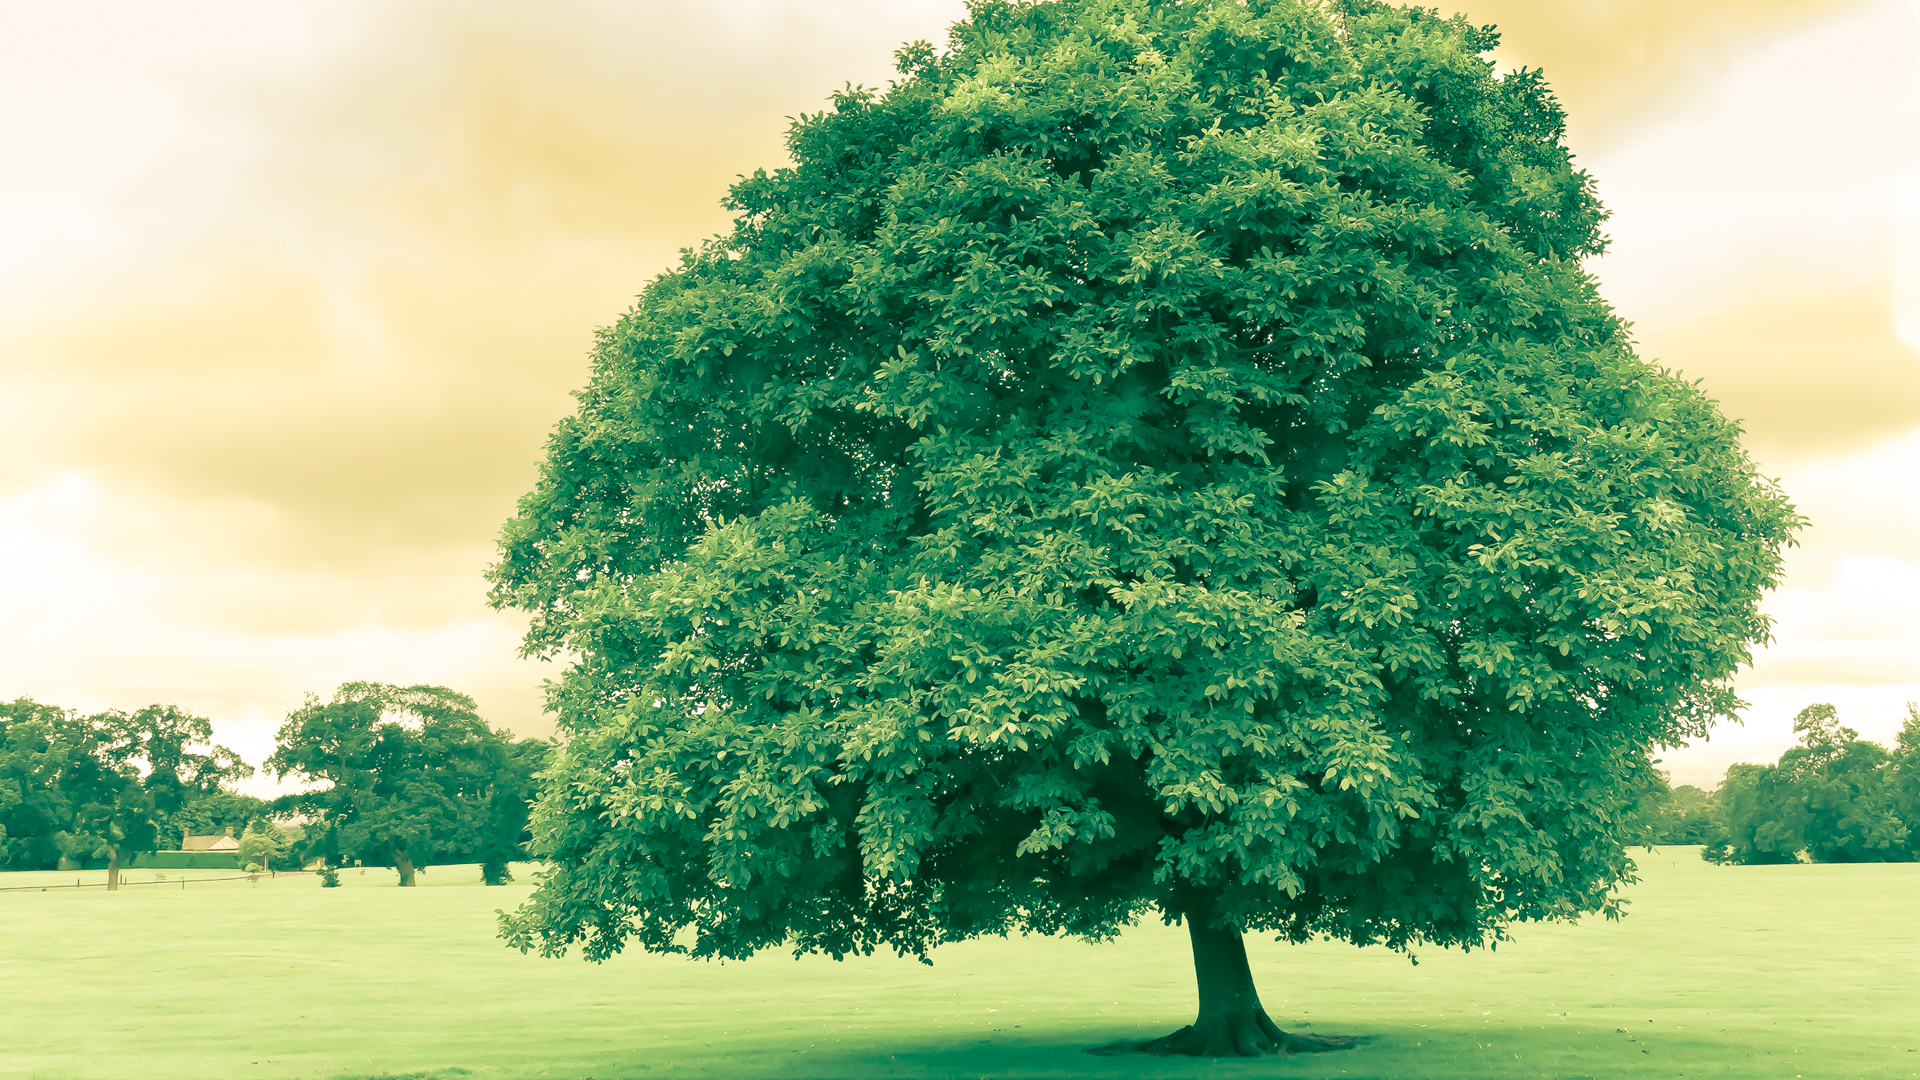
(1777, 971)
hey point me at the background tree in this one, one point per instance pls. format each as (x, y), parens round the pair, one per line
(144, 771)
(504, 834)
(114, 815)
(410, 771)
(1833, 798)
(1678, 815)
(1686, 817)
(1843, 779)
(161, 740)
(1154, 458)
(262, 843)
(1762, 820)
(36, 742)
(1904, 779)
(210, 813)
(102, 786)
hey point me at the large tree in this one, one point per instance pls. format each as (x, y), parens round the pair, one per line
(1904, 778)
(1834, 798)
(143, 770)
(1154, 458)
(37, 743)
(104, 786)
(503, 833)
(211, 812)
(408, 772)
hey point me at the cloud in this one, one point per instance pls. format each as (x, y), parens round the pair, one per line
(1806, 372)
(296, 295)
(185, 623)
(289, 298)
(369, 310)
(1755, 235)
(1614, 63)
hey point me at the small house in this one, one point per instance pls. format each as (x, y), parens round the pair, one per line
(190, 842)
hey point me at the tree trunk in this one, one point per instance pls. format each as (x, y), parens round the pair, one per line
(404, 865)
(113, 868)
(1231, 1022)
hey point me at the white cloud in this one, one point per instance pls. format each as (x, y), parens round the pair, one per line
(1847, 617)
(1785, 170)
(91, 618)
(290, 295)
(135, 134)
(1787, 177)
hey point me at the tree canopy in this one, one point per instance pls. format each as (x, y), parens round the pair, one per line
(107, 786)
(1679, 815)
(1833, 798)
(36, 744)
(1153, 458)
(410, 773)
(209, 813)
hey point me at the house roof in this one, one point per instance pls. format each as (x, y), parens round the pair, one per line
(189, 842)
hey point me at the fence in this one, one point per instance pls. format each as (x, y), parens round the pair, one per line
(181, 882)
(164, 860)
(178, 860)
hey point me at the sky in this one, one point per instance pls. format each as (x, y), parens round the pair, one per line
(290, 296)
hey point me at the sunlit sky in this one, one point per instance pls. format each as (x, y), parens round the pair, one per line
(290, 295)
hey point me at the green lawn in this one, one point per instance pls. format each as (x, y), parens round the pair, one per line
(1791, 971)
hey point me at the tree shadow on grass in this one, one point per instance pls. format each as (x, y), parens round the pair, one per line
(1290, 1044)
(1038, 1057)
(448, 1073)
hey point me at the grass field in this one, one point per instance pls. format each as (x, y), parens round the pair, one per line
(1788, 971)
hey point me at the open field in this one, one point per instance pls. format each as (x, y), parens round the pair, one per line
(143, 880)
(1789, 971)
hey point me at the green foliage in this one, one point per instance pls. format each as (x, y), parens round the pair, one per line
(101, 786)
(37, 743)
(504, 835)
(412, 774)
(263, 842)
(211, 813)
(329, 877)
(1833, 798)
(1903, 779)
(1682, 815)
(1153, 457)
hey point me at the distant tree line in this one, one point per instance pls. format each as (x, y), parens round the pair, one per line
(109, 785)
(1835, 797)
(396, 776)
(406, 777)
(412, 776)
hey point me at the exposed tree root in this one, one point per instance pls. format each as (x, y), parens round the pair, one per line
(1238, 1034)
